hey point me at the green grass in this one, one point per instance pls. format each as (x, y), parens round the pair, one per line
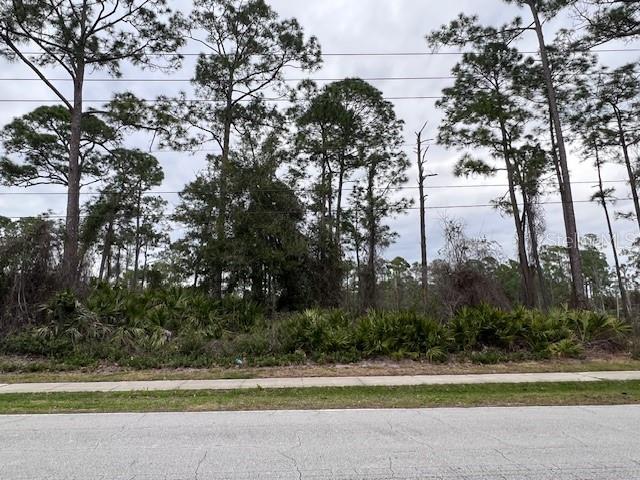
(597, 393)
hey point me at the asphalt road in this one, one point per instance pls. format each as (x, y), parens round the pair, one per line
(577, 443)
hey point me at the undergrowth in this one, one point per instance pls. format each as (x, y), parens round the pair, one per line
(182, 328)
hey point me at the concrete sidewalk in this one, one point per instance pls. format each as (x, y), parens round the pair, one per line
(389, 381)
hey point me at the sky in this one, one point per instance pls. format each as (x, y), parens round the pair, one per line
(362, 26)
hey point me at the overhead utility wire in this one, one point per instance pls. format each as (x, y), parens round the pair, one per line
(302, 190)
(371, 54)
(301, 79)
(287, 212)
(198, 100)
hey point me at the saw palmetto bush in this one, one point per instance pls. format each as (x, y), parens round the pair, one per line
(387, 333)
(485, 327)
(182, 327)
(560, 332)
(317, 331)
(543, 329)
(595, 329)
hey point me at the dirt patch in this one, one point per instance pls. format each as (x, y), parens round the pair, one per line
(20, 370)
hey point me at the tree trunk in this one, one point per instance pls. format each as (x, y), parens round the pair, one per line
(396, 288)
(573, 246)
(106, 250)
(535, 251)
(323, 214)
(70, 258)
(528, 297)
(370, 284)
(338, 226)
(541, 295)
(138, 242)
(118, 269)
(257, 284)
(623, 291)
(424, 266)
(109, 264)
(221, 219)
(357, 246)
(143, 283)
(337, 270)
(627, 161)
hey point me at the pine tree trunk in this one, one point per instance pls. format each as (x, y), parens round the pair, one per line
(145, 266)
(528, 297)
(357, 246)
(70, 259)
(118, 269)
(221, 219)
(573, 246)
(338, 226)
(337, 271)
(257, 283)
(424, 266)
(545, 302)
(627, 161)
(138, 242)
(106, 250)
(541, 296)
(370, 294)
(623, 291)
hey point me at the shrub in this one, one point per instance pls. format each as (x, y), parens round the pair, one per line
(436, 355)
(183, 327)
(386, 333)
(485, 327)
(254, 344)
(593, 328)
(541, 330)
(567, 348)
(489, 357)
(316, 332)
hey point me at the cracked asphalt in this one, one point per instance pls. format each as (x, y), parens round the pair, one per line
(577, 443)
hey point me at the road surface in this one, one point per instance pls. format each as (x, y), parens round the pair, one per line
(557, 443)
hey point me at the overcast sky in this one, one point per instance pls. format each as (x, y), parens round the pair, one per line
(362, 26)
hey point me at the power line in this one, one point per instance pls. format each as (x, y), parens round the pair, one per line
(372, 54)
(219, 151)
(176, 80)
(300, 79)
(199, 100)
(287, 212)
(404, 187)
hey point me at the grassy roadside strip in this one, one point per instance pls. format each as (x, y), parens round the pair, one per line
(366, 369)
(597, 393)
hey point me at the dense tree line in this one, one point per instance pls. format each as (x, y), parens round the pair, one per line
(295, 209)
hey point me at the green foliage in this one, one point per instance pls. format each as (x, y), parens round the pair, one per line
(315, 331)
(186, 328)
(566, 348)
(610, 20)
(39, 141)
(485, 326)
(28, 255)
(596, 328)
(383, 333)
(543, 330)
